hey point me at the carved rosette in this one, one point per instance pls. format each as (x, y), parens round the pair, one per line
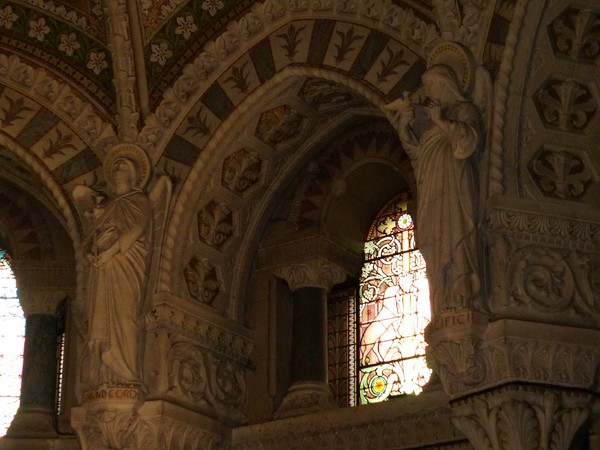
(576, 35)
(241, 171)
(316, 272)
(202, 280)
(197, 376)
(215, 224)
(522, 417)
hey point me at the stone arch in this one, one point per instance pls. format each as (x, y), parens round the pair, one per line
(211, 153)
(385, 23)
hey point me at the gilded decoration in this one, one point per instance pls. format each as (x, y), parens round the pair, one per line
(279, 124)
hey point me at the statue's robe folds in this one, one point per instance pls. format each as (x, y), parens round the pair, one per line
(445, 225)
(116, 287)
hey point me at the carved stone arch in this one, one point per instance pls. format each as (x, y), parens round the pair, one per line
(87, 119)
(49, 192)
(212, 153)
(389, 31)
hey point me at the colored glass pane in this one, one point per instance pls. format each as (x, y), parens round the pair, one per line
(393, 308)
(11, 344)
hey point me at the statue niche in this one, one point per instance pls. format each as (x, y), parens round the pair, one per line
(441, 135)
(118, 248)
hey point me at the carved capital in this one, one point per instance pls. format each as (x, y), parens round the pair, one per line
(522, 417)
(40, 300)
(316, 272)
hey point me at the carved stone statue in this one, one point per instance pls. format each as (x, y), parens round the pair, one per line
(118, 248)
(440, 137)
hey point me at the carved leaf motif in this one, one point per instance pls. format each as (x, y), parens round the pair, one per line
(58, 144)
(201, 279)
(518, 426)
(13, 111)
(542, 280)
(215, 224)
(566, 105)
(561, 174)
(566, 426)
(241, 170)
(345, 45)
(239, 78)
(388, 67)
(576, 34)
(197, 124)
(291, 40)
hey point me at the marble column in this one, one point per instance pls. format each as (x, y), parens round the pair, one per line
(36, 417)
(309, 390)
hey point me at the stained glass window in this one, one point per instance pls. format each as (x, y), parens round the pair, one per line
(11, 344)
(393, 307)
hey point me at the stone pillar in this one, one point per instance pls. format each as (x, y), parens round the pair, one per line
(36, 417)
(309, 282)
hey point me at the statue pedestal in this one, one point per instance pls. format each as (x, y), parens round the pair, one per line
(107, 417)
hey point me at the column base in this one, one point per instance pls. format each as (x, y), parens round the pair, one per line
(306, 397)
(32, 422)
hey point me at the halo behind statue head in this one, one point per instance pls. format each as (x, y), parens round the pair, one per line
(134, 154)
(458, 59)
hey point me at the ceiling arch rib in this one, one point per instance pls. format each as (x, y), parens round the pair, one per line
(275, 28)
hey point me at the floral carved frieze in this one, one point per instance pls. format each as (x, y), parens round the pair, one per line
(561, 231)
(522, 418)
(279, 124)
(575, 34)
(565, 105)
(169, 434)
(561, 173)
(202, 280)
(241, 171)
(210, 335)
(215, 224)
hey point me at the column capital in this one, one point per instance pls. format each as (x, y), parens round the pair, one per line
(36, 300)
(314, 272)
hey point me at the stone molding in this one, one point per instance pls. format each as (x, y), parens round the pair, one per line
(202, 327)
(120, 45)
(409, 422)
(522, 417)
(32, 422)
(315, 272)
(306, 397)
(516, 222)
(514, 351)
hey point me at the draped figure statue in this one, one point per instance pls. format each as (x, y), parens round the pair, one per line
(440, 137)
(118, 250)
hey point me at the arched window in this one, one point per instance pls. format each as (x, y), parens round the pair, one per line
(393, 308)
(376, 337)
(11, 344)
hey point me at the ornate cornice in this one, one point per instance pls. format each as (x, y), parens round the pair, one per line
(545, 228)
(209, 334)
(521, 417)
(415, 422)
